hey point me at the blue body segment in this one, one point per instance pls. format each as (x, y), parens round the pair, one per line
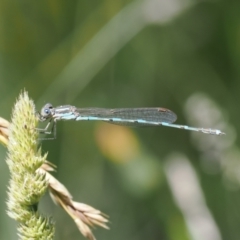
(135, 117)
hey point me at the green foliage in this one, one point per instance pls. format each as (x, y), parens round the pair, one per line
(184, 56)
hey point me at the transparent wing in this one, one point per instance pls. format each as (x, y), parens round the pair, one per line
(127, 116)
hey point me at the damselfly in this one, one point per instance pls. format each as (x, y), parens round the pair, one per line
(134, 117)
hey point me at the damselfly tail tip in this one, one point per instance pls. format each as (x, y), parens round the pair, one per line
(218, 132)
(212, 131)
(221, 133)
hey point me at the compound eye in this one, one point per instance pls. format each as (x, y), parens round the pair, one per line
(46, 110)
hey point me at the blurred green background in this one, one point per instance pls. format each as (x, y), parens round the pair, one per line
(154, 183)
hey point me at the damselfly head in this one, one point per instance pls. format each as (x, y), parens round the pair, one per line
(46, 112)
